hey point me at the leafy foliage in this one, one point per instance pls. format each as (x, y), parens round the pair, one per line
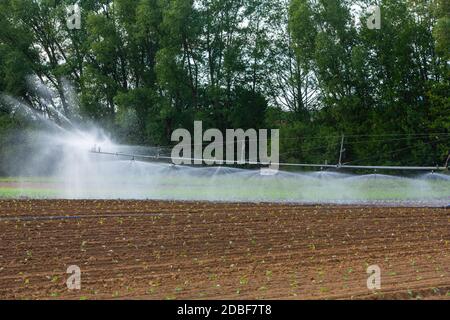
(143, 68)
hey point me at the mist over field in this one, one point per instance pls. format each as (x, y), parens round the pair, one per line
(61, 158)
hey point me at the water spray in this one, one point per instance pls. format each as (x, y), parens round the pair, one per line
(81, 162)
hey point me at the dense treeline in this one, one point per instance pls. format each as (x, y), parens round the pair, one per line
(143, 68)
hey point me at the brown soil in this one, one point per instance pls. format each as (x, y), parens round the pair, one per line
(198, 250)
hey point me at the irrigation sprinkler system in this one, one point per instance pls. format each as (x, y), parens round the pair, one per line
(138, 157)
(340, 165)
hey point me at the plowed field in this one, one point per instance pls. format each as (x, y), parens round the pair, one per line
(196, 250)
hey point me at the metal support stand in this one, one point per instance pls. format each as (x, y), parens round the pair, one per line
(342, 150)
